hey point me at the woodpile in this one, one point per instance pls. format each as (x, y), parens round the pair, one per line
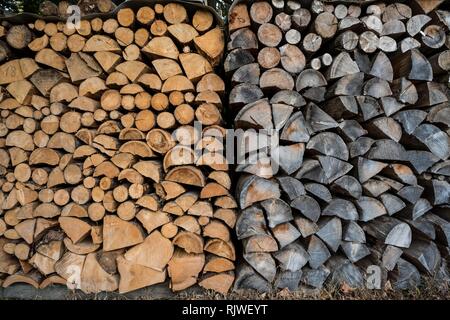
(105, 182)
(357, 98)
(48, 8)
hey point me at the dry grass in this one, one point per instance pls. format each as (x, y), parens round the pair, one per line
(430, 290)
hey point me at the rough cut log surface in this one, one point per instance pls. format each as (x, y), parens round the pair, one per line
(350, 166)
(99, 178)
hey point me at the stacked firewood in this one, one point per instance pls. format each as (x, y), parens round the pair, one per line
(356, 97)
(62, 9)
(110, 142)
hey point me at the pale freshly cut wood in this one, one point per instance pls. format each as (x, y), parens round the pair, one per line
(216, 229)
(213, 190)
(201, 208)
(8, 264)
(221, 282)
(95, 279)
(52, 59)
(101, 43)
(162, 47)
(70, 267)
(188, 223)
(150, 169)
(221, 248)
(186, 175)
(82, 66)
(189, 242)
(118, 233)
(155, 252)
(202, 20)
(132, 69)
(11, 71)
(183, 32)
(194, 65)
(152, 219)
(32, 279)
(239, 17)
(135, 276)
(75, 228)
(177, 83)
(174, 13)
(184, 269)
(83, 247)
(166, 68)
(211, 44)
(52, 280)
(63, 92)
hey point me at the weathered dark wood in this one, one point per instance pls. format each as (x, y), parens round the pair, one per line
(288, 97)
(301, 18)
(333, 167)
(341, 107)
(307, 206)
(413, 65)
(295, 129)
(355, 251)
(329, 144)
(243, 39)
(277, 211)
(358, 95)
(261, 189)
(351, 129)
(318, 120)
(291, 186)
(244, 93)
(382, 67)
(315, 277)
(248, 73)
(348, 186)
(341, 208)
(236, 59)
(370, 208)
(292, 257)
(250, 222)
(391, 231)
(247, 278)
(424, 255)
(263, 263)
(318, 252)
(312, 170)
(319, 191)
(353, 232)
(392, 203)
(347, 40)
